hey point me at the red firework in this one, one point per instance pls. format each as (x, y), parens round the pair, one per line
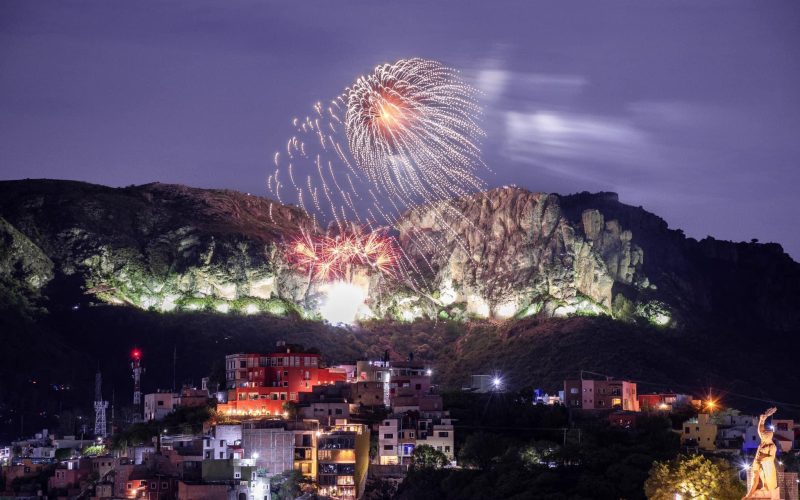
(335, 257)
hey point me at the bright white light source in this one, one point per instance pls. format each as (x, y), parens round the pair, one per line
(429, 372)
(255, 455)
(342, 302)
(506, 310)
(497, 382)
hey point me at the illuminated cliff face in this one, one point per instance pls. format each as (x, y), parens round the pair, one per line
(508, 253)
(512, 253)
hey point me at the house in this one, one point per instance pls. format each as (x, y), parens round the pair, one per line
(663, 402)
(69, 474)
(279, 446)
(700, 432)
(224, 441)
(732, 429)
(343, 461)
(260, 385)
(608, 394)
(400, 434)
(158, 405)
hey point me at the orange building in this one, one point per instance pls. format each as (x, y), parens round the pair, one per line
(260, 384)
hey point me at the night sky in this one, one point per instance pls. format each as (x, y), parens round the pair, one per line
(690, 109)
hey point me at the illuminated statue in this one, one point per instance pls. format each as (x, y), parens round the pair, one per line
(764, 475)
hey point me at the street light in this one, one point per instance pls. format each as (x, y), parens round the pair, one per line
(497, 382)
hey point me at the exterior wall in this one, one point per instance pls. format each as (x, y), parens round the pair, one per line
(601, 395)
(222, 437)
(573, 393)
(325, 412)
(188, 491)
(441, 437)
(784, 432)
(192, 398)
(159, 404)
(274, 446)
(700, 431)
(103, 465)
(388, 433)
(343, 461)
(367, 393)
(260, 385)
(305, 453)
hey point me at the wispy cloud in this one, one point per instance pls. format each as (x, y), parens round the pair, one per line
(569, 142)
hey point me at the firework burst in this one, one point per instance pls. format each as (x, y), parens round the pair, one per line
(329, 258)
(403, 135)
(411, 127)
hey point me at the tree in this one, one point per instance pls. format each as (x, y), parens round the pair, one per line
(693, 477)
(426, 456)
(287, 485)
(482, 449)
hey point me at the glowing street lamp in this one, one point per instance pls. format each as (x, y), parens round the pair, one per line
(497, 383)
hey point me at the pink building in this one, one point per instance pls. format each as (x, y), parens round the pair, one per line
(601, 395)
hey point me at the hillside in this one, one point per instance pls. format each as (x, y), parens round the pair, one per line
(532, 286)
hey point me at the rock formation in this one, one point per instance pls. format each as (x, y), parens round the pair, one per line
(500, 254)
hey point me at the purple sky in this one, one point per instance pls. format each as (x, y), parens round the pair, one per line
(688, 108)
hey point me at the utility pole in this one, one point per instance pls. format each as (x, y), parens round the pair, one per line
(174, 364)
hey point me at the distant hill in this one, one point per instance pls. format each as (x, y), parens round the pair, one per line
(532, 286)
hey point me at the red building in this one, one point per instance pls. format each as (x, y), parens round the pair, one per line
(260, 384)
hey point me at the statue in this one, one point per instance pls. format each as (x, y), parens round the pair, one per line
(764, 474)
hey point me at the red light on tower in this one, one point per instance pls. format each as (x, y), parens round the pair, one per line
(136, 354)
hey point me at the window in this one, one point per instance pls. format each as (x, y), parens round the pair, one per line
(388, 447)
(388, 436)
(686, 430)
(129, 486)
(221, 455)
(242, 364)
(418, 387)
(153, 486)
(164, 486)
(447, 449)
(221, 443)
(237, 475)
(338, 411)
(444, 434)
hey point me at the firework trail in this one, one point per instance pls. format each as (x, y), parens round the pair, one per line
(410, 136)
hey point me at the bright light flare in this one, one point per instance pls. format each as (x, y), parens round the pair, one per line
(342, 303)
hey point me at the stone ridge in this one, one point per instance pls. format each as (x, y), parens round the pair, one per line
(505, 253)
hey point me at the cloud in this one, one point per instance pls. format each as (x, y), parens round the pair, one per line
(570, 143)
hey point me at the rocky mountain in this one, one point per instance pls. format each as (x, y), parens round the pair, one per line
(505, 253)
(533, 286)
(510, 252)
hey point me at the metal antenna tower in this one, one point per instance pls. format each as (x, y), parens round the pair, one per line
(136, 366)
(100, 407)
